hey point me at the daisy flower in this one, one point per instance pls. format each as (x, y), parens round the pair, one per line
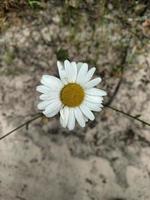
(73, 95)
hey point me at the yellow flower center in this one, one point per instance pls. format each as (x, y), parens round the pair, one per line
(72, 95)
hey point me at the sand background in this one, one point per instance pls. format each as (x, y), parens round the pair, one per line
(110, 158)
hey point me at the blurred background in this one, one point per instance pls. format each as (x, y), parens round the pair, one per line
(110, 158)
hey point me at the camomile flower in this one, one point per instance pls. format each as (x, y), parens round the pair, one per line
(73, 95)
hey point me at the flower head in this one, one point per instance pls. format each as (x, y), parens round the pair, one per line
(73, 95)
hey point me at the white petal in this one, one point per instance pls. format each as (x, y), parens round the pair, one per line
(95, 92)
(42, 105)
(82, 74)
(74, 71)
(64, 116)
(86, 111)
(50, 96)
(62, 122)
(59, 65)
(51, 82)
(53, 113)
(94, 99)
(43, 89)
(79, 64)
(68, 69)
(52, 107)
(71, 120)
(93, 106)
(93, 83)
(85, 118)
(62, 73)
(90, 73)
(79, 117)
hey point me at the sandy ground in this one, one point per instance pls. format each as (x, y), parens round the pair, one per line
(110, 158)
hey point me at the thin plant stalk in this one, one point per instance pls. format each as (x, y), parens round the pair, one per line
(22, 125)
(128, 115)
(39, 115)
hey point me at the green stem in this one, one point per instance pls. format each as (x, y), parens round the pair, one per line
(131, 116)
(22, 125)
(39, 115)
